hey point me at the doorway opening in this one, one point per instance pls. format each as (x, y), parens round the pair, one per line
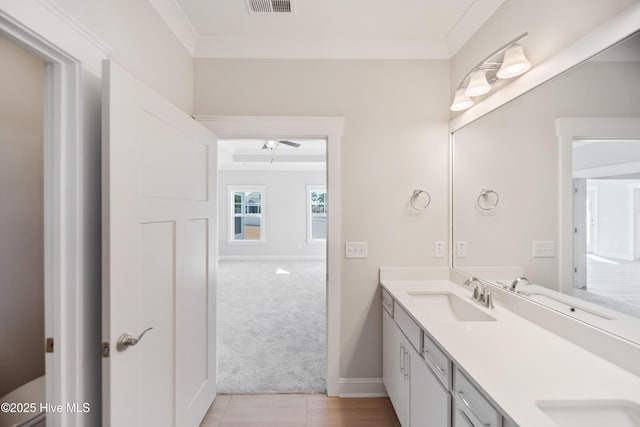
(272, 265)
(607, 223)
(22, 233)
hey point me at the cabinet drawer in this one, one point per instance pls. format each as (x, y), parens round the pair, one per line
(407, 325)
(437, 361)
(469, 399)
(387, 301)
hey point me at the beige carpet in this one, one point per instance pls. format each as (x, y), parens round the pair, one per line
(271, 327)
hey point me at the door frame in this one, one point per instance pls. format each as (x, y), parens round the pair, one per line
(595, 195)
(70, 255)
(330, 128)
(634, 223)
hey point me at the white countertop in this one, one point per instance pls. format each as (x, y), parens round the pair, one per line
(516, 362)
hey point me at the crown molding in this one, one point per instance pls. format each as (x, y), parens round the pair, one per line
(474, 18)
(48, 21)
(177, 21)
(292, 48)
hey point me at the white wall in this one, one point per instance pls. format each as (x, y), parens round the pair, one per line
(552, 25)
(514, 150)
(615, 211)
(395, 140)
(285, 213)
(141, 42)
(21, 216)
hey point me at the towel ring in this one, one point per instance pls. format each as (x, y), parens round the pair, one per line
(486, 196)
(414, 200)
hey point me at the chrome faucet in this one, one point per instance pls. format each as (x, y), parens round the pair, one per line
(483, 296)
(518, 280)
(480, 292)
(470, 280)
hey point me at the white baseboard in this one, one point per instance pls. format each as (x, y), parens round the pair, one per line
(362, 387)
(271, 258)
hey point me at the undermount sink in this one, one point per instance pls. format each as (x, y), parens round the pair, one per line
(447, 306)
(592, 413)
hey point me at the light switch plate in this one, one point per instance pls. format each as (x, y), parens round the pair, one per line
(544, 249)
(461, 248)
(356, 250)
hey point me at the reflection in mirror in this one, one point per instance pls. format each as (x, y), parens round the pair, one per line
(568, 149)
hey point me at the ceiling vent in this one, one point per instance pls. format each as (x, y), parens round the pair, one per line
(270, 6)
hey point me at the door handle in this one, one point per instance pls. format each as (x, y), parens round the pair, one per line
(126, 340)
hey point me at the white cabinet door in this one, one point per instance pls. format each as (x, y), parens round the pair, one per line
(430, 402)
(158, 258)
(395, 367)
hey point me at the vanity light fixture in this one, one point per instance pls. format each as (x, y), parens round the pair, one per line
(461, 101)
(507, 62)
(478, 84)
(514, 63)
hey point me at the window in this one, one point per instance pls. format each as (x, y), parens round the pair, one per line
(316, 213)
(246, 214)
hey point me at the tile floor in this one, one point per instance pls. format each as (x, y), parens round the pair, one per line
(299, 410)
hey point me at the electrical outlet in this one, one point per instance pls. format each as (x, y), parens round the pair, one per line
(356, 250)
(438, 249)
(544, 249)
(461, 248)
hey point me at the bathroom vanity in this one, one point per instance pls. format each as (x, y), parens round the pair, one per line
(450, 361)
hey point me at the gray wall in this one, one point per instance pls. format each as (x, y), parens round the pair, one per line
(21, 217)
(395, 140)
(285, 213)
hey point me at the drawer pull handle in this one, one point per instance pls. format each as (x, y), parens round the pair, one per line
(406, 365)
(460, 393)
(442, 371)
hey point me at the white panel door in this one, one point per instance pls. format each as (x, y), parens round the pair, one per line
(158, 258)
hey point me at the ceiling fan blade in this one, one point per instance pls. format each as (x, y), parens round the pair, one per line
(290, 143)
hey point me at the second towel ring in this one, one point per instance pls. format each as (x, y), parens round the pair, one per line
(422, 205)
(488, 199)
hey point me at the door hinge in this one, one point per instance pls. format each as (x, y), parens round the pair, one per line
(575, 190)
(49, 345)
(575, 230)
(105, 349)
(575, 269)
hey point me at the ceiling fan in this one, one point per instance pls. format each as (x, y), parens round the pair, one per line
(272, 144)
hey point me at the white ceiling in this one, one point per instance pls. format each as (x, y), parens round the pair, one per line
(248, 154)
(337, 29)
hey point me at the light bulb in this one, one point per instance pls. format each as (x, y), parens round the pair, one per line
(478, 84)
(514, 63)
(461, 101)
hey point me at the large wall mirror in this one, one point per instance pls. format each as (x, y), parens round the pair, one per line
(548, 187)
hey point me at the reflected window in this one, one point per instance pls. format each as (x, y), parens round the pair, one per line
(246, 222)
(316, 213)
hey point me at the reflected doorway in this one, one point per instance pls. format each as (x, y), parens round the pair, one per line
(607, 223)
